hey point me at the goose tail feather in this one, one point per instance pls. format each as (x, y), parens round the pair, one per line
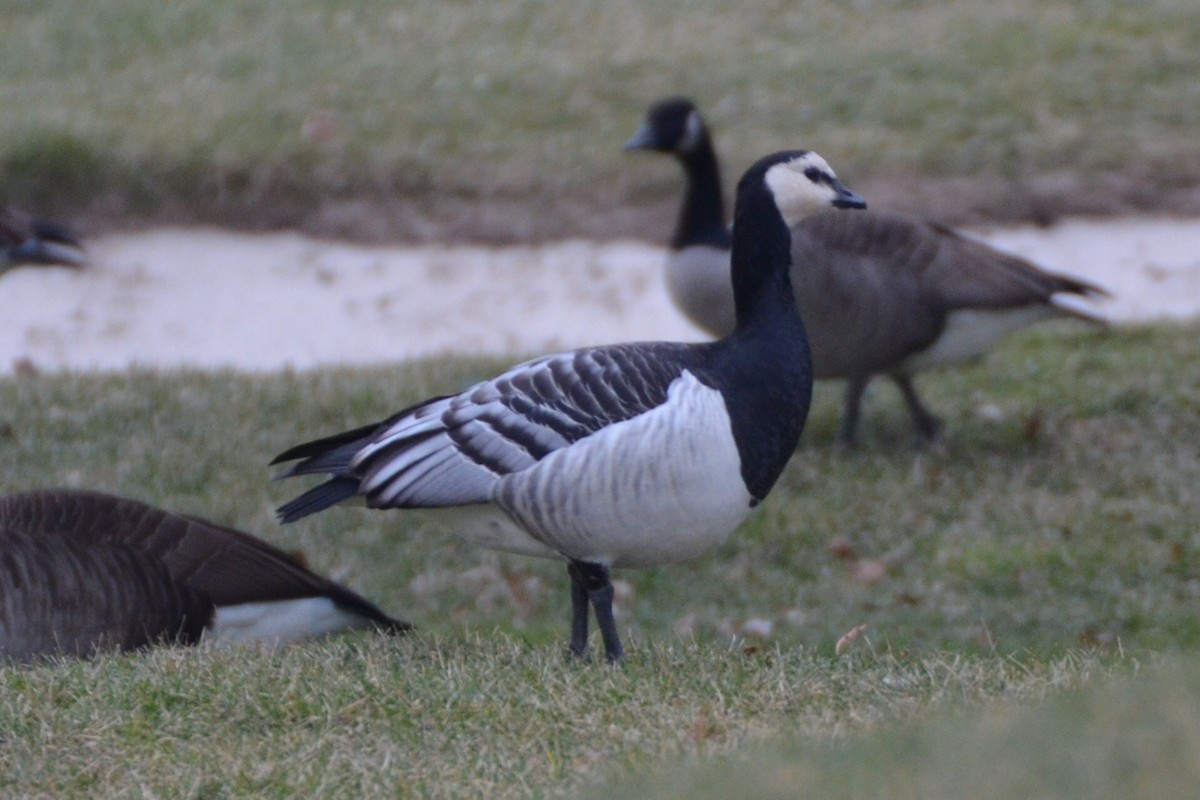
(318, 498)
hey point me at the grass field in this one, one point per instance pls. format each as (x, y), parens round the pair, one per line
(1115, 740)
(1050, 543)
(504, 120)
(1030, 591)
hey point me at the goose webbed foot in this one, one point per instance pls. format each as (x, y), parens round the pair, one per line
(591, 585)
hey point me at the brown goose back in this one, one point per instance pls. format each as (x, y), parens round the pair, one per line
(874, 288)
(81, 571)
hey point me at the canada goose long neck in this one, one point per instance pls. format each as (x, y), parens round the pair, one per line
(763, 297)
(702, 216)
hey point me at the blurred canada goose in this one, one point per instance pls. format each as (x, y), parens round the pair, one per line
(627, 455)
(25, 239)
(82, 572)
(879, 293)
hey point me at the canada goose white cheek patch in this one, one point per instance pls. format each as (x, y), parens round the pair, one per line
(693, 133)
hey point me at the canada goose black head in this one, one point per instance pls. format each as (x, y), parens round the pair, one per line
(672, 125)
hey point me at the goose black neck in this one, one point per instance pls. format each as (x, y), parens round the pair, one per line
(761, 263)
(702, 217)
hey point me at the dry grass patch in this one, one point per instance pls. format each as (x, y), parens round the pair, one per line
(1052, 541)
(1116, 739)
(455, 716)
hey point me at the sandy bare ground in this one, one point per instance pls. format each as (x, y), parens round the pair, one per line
(211, 298)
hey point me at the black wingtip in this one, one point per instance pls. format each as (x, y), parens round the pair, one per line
(358, 604)
(1086, 289)
(318, 498)
(292, 454)
(317, 448)
(394, 627)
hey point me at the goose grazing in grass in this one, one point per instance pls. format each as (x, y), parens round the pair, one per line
(29, 240)
(82, 572)
(880, 294)
(627, 455)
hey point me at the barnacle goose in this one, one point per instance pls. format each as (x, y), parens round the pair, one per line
(627, 455)
(880, 293)
(82, 572)
(25, 239)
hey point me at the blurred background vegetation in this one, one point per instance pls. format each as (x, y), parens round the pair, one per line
(503, 120)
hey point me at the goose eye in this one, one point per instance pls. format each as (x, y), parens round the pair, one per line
(813, 174)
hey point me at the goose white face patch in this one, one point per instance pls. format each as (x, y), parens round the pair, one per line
(801, 186)
(692, 130)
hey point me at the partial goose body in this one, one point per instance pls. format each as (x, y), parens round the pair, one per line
(880, 293)
(25, 239)
(82, 572)
(627, 455)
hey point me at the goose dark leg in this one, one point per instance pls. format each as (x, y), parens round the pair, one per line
(851, 407)
(928, 426)
(602, 602)
(591, 583)
(579, 613)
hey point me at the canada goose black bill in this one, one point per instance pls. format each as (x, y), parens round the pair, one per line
(628, 455)
(25, 239)
(880, 294)
(82, 572)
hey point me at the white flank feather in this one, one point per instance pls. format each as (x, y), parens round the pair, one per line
(664, 486)
(281, 621)
(971, 332)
